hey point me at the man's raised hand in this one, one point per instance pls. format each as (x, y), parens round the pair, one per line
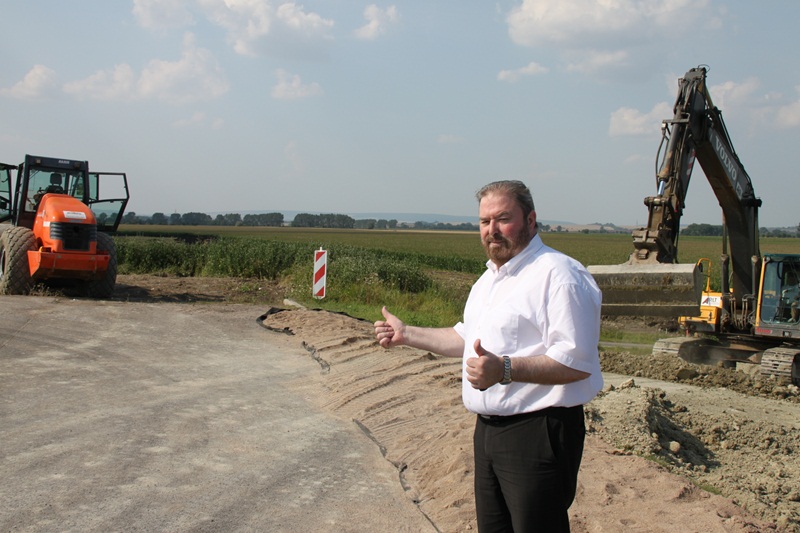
(389, 332)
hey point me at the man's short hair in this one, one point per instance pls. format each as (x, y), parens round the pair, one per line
(514, 188)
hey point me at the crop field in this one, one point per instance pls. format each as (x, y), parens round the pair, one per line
(588, 248)
(426, 275)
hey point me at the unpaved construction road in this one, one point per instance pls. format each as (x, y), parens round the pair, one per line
(167, 417)
(135, 415)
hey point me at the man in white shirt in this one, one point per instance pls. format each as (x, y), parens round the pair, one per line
(529, 345)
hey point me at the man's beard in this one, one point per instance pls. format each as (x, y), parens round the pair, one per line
(509, 247)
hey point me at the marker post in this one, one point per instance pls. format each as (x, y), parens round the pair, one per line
(320, 273)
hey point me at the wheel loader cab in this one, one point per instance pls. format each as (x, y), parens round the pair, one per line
(56, 179)
(42, 181)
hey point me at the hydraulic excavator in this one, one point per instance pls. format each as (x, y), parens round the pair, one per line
(755, 316)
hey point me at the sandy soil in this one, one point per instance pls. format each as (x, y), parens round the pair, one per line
(671, 446)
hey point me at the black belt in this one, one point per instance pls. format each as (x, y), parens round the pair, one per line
(508, 419)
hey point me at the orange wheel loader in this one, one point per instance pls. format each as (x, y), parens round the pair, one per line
(55, 224)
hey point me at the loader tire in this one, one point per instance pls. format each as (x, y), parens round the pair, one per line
(15, 275)
(104, 287)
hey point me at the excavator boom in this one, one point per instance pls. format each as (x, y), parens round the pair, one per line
(653, 282)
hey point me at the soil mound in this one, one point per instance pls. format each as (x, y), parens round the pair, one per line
(654, 460)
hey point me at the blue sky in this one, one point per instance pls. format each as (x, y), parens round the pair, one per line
(341, 106)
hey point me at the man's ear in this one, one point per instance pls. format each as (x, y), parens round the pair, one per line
(532, 220)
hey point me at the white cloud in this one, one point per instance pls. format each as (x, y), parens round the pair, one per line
(788, 116)
(40, 82)
(118, 83)
(591, 35)
(162, 14)
(751, 109)
(581, 22)
(246, 21)
(530, 69)
(294, 17)
(291, 87)
(628, 121)
(249, 23)
(195, 77)
(252, 27)
(729, 95)
(378, 21)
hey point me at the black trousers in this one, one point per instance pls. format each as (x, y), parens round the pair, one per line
(526, 470)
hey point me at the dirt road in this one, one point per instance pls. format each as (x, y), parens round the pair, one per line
(690, 449)
(166, 417)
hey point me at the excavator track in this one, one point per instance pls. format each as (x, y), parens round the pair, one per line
(700, 350)
(782, 362)
(671, 346)
(697, 350)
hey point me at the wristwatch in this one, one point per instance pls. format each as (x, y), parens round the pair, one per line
(506, 371)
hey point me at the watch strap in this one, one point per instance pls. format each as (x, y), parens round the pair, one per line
(506, 370)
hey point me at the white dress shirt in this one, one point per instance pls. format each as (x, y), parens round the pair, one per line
(541, 302)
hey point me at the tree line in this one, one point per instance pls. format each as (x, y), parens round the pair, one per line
(301, 220)
(339, 221)
(203, 219)
(711, 230)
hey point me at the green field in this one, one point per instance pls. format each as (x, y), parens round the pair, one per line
(424, 275)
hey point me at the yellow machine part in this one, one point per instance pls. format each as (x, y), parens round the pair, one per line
(708, 320)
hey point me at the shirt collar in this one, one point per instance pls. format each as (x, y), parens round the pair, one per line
(511, 266)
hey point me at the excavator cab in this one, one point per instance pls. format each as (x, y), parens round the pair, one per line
(780, 293)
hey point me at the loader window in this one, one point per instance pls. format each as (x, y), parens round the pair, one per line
(42, 181)
(108, 196)
(76, 187)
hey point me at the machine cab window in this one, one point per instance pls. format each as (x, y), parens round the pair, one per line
(41, 182)
(780, 302)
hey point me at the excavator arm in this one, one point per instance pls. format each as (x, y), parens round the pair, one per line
(658, 242)
(695, 133)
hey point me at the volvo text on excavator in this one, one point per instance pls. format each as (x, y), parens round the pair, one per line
(755, 316)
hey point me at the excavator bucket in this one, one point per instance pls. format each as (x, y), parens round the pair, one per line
(656, 290)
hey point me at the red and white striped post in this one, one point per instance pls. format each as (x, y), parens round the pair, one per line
(320, 272)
